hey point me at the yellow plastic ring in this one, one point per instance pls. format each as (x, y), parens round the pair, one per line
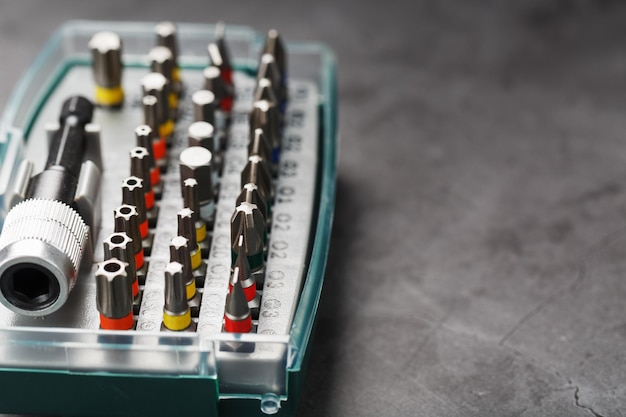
(177, 323)
(196, 258)
(109, 96)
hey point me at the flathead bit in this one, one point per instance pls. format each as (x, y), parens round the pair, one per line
(244, 276)
(265, 115)
(259, 145)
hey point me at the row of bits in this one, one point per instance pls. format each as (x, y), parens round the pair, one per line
(120, 278)
(250, 222)
(200, 165)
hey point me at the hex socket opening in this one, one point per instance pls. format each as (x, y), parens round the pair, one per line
(29, 286)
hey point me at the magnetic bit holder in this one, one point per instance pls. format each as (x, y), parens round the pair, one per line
(54, 216)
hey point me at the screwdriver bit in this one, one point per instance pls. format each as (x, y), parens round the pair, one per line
(191, 201)
(132, 194)
(114, 298)
(179, 252)
(176, 312)
(237, 317)
(106, 55)
(196, 162)
(187, 229)
(127, 220)
(119, 246)
(155, 84)
(248, 221)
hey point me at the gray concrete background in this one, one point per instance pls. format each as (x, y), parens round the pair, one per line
(479, 251)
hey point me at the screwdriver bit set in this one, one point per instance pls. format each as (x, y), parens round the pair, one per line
(166, 198)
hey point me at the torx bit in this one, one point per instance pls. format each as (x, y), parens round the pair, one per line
(191, 201)
(245, 277)
(106, 55)
(120, 246)
(132, 194)
(179, 252)
(187, 229)
(155, 84)
(176, 313)
(127, 220)
(114, 298)
(140, 167)
(196, 163)
(248, 221)
(265, 115)
(144, 138)
(237, 317)
(250, 194)
(156, 144)
(257, 172)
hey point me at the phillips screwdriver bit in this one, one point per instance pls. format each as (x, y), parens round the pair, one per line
(257, 172)
(248, 221)
(250, 194)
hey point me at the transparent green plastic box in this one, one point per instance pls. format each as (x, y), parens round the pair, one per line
(63, 371)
